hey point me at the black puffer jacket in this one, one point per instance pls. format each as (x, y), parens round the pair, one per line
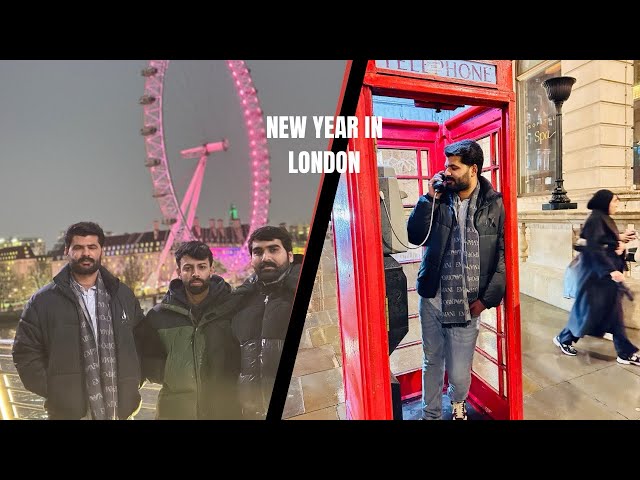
(489, 221)
(191, 352)
(47, 354)
(261, 328)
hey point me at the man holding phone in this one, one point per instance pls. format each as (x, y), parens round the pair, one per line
(462, 272)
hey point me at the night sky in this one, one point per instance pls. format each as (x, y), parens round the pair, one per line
(70, 147)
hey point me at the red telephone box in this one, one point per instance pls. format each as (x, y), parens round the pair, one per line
(479, 101)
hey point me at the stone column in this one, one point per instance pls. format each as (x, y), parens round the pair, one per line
(598, 126)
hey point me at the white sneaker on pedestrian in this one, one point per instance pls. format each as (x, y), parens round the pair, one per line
(566, 348)
(632, 359)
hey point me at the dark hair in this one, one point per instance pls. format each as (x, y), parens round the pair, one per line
(195, 249)
(269, 232)
(469, 152)
(601, 200)
(83, 229)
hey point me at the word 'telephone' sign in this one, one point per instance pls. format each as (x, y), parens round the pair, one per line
(453, 69)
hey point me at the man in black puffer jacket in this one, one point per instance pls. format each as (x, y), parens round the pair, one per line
(75, 343)
(262, 322)
(462, 272)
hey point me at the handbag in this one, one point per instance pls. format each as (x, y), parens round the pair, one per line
(571, 277)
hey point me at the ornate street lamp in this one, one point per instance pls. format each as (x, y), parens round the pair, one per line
(558, 90)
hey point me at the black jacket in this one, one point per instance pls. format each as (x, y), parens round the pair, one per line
(261, 327)
(47, 352)
(489, 221)
(192, 353)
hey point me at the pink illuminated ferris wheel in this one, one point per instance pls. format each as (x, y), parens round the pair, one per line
(181, 215)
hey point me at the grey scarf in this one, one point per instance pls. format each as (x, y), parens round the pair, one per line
(99, 363)
(460, 276)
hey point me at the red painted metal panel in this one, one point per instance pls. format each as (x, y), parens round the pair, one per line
(360, 272)
(486, 399)
(471, 115)
(512, 299)
(441, 90)
(410, 384)
(407, 132)
(475, 126)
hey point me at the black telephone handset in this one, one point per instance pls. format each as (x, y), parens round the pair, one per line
(439, 185)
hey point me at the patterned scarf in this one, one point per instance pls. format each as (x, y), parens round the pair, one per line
(99, 363)
(460, 279)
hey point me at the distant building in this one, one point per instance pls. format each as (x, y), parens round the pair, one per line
(16, 260)
(299, 235)
(37, 245)
(22, 272)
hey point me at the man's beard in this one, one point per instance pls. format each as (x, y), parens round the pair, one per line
(197, 289)
(267, 276)
(76, 266)
(462, 183)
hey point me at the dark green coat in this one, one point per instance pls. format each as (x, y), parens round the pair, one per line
(191, 352)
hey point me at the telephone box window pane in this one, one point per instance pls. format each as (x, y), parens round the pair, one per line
(404, 162)
(488, 341)
(410, 187)
(488, 175)
(424, 162)
(488, 317)
(486, 370)
(504, 383)
(485, 145)
(425, 187)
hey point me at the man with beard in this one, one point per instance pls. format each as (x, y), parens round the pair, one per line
(462, 272)
(262, 322)
(74, 343)
(187, 342)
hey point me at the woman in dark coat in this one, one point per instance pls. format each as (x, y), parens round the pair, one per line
(598, 305)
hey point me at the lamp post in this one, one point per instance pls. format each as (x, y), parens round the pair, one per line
(558, 90)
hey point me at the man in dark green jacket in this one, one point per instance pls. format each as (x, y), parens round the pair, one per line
(187, 342)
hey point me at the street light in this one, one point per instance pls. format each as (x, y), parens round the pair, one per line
(558, 90)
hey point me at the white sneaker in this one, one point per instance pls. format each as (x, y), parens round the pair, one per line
(633, 359)
(459, 410)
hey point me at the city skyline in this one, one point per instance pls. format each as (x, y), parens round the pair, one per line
(71, 149)
(6, 239)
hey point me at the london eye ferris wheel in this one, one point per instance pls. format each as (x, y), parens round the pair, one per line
(180, 215)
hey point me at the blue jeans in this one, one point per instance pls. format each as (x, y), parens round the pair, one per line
(450, 347)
